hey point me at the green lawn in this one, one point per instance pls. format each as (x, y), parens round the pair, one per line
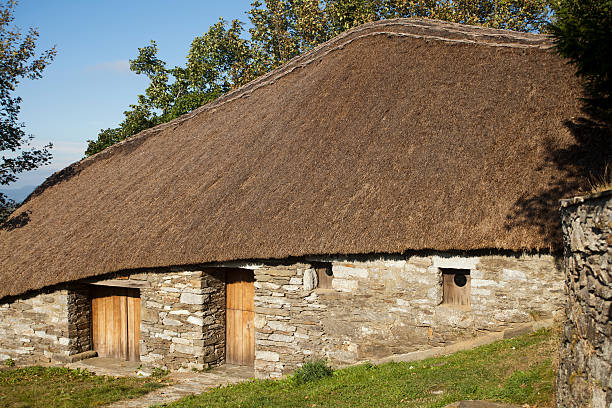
(50, 387)
(519, 370)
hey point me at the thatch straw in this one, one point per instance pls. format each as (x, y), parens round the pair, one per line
(398, 135)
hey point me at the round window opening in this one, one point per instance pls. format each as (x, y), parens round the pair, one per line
(460, 280)
(328, 272)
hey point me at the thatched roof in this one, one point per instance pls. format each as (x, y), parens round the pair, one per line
(398, 135)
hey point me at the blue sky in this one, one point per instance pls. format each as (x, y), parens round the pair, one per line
(89, 84)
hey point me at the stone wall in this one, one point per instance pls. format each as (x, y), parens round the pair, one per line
(45, 327)
(376, 306)
(79, 319)
(585, 375)
(392, 305)
(182, 318)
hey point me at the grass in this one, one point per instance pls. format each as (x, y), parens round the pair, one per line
(520, 371)
(50, 387)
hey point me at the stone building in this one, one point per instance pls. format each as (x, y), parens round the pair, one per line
(392, 190)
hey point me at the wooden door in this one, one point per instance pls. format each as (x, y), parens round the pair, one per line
(115, 322)
(240, 329)
(456, 285)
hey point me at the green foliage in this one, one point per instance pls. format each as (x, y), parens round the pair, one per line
(221, 59)
(516, 371)
(55, 387)
(312, 371)
(18, 60)
(159, 372)
(217, 61)
(136, 120)
(283, 29)
(583, 33)
(9, 362)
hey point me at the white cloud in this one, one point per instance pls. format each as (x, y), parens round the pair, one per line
(69, 148)
(122, 66)
(64, 152)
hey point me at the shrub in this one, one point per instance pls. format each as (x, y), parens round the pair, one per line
(312, 371)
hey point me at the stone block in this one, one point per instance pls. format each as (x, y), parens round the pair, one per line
(149, 315)
(186, 349)
(198, 321)
(454, 262)
(344, 285)
(192, 299)
(171, 322)
(347, 272)
(281, 338)
(267, 356)
(192, 335)
(179, 312)
(275, 325)
(309, 279)
(260, 321)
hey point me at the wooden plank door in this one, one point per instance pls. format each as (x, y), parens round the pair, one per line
(240, 328)
(115, 322)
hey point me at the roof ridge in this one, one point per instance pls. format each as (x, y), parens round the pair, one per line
(300, 61)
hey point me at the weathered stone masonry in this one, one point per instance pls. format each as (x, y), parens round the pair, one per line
(585, 367)
(390, 305)
(45, 327)
(376, 306)
(182, 318)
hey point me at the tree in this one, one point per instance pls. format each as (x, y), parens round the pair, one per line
(220, 60)
(583, 33)
(18, 60)
(217, 61)
(283, 29)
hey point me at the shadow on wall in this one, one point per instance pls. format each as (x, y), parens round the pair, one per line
(576, 164)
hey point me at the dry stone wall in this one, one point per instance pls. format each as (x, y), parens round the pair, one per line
(182, 318)
(44, 327)
(392, 305)
(375, 307)
(585, 374)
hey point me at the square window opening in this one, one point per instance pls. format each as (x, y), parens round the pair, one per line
(456, 285)
(325, 275)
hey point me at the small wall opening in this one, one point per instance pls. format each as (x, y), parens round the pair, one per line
(456, 287)
(325, 275)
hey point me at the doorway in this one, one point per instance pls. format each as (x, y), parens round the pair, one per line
(240, 313)
(115, 322)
